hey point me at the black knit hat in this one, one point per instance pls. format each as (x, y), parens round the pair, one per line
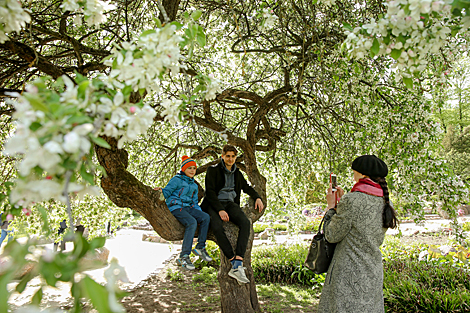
(370, 165)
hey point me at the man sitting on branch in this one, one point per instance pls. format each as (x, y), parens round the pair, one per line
(224, 183)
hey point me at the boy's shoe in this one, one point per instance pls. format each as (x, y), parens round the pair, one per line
(185, 262)
(239, 274)
(202, 254)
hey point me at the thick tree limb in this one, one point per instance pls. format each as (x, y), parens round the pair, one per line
(33, 58)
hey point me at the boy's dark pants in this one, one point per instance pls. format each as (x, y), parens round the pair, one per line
(237, 217)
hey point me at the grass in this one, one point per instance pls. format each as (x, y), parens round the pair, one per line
(276, 298)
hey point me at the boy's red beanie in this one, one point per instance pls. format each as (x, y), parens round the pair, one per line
(187, 162)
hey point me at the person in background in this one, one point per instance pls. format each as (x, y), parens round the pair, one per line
(5, 232)
(354, 281)
(181, 194)
(62, 228)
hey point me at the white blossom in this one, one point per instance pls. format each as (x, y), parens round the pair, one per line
(171, 110)
(213, 88)
(70, 5)
(269, 19)
(13, 17)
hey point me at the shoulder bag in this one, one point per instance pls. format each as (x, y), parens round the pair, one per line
(320, 252)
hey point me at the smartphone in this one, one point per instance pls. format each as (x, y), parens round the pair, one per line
(333, 182)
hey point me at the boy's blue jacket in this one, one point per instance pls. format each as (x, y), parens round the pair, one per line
(181, 191)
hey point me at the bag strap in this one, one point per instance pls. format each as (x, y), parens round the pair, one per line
(320, 226)
(322, 223)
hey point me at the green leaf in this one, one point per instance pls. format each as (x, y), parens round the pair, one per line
(35, 126)
(36, 103)
(158, 22)
(375, 47)
(177, 24)
(455, 31)
(4, 293)
(357, 69)
(86, 176)
(79, 119)
(408, 82)
(347, 26)
(37, 297)
(396, 53)
(196, 15)
(82, 87)
(45, 220)
(402, 39)
(201, 39)
(69, 164)
(147, 32)
(97, 242)
(386, 40)
(100, 142)
(97, 294)
(25, 280)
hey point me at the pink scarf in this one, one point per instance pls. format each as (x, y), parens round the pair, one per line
(368, 186)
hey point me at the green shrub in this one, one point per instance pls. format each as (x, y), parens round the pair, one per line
(280, 227)
(418, 286)
(258, 228)
(466, 226)
(311, 224)
(283, 264)
(174, 276)
(392, 249)
(208, 275)
(213, 250)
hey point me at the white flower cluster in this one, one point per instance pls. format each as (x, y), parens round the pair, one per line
(140, 64)
(407, 33)
(171, 110)
(213, 87)
(50, 143)
(93, 11)
(12, 18)
(269, 19)
(66, 142)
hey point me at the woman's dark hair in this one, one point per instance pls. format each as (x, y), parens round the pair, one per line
(389, 217)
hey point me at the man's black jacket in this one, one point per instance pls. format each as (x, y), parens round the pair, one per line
(215, 181)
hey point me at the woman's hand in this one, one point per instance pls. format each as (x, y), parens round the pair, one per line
(331, 197)
(339, 192)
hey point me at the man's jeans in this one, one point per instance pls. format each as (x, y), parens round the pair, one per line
(6, 233)
(237, 217)
(190, 218)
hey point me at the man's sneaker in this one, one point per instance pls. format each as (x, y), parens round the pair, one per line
(202, 254)
(185, 262)
(239, 274)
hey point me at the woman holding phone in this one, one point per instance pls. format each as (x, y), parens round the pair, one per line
(357, 223)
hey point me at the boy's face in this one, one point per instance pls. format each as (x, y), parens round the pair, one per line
(229, 158)
(190, 171)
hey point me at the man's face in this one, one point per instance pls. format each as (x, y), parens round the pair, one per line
(229, 158)
(190, 171)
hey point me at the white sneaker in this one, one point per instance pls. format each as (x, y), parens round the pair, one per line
(239, 274)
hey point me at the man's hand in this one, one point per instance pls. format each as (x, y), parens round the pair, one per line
(157, 188)
(223, 215)
(259, 205)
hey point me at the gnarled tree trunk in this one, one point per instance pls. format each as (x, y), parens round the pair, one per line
(124, 190)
